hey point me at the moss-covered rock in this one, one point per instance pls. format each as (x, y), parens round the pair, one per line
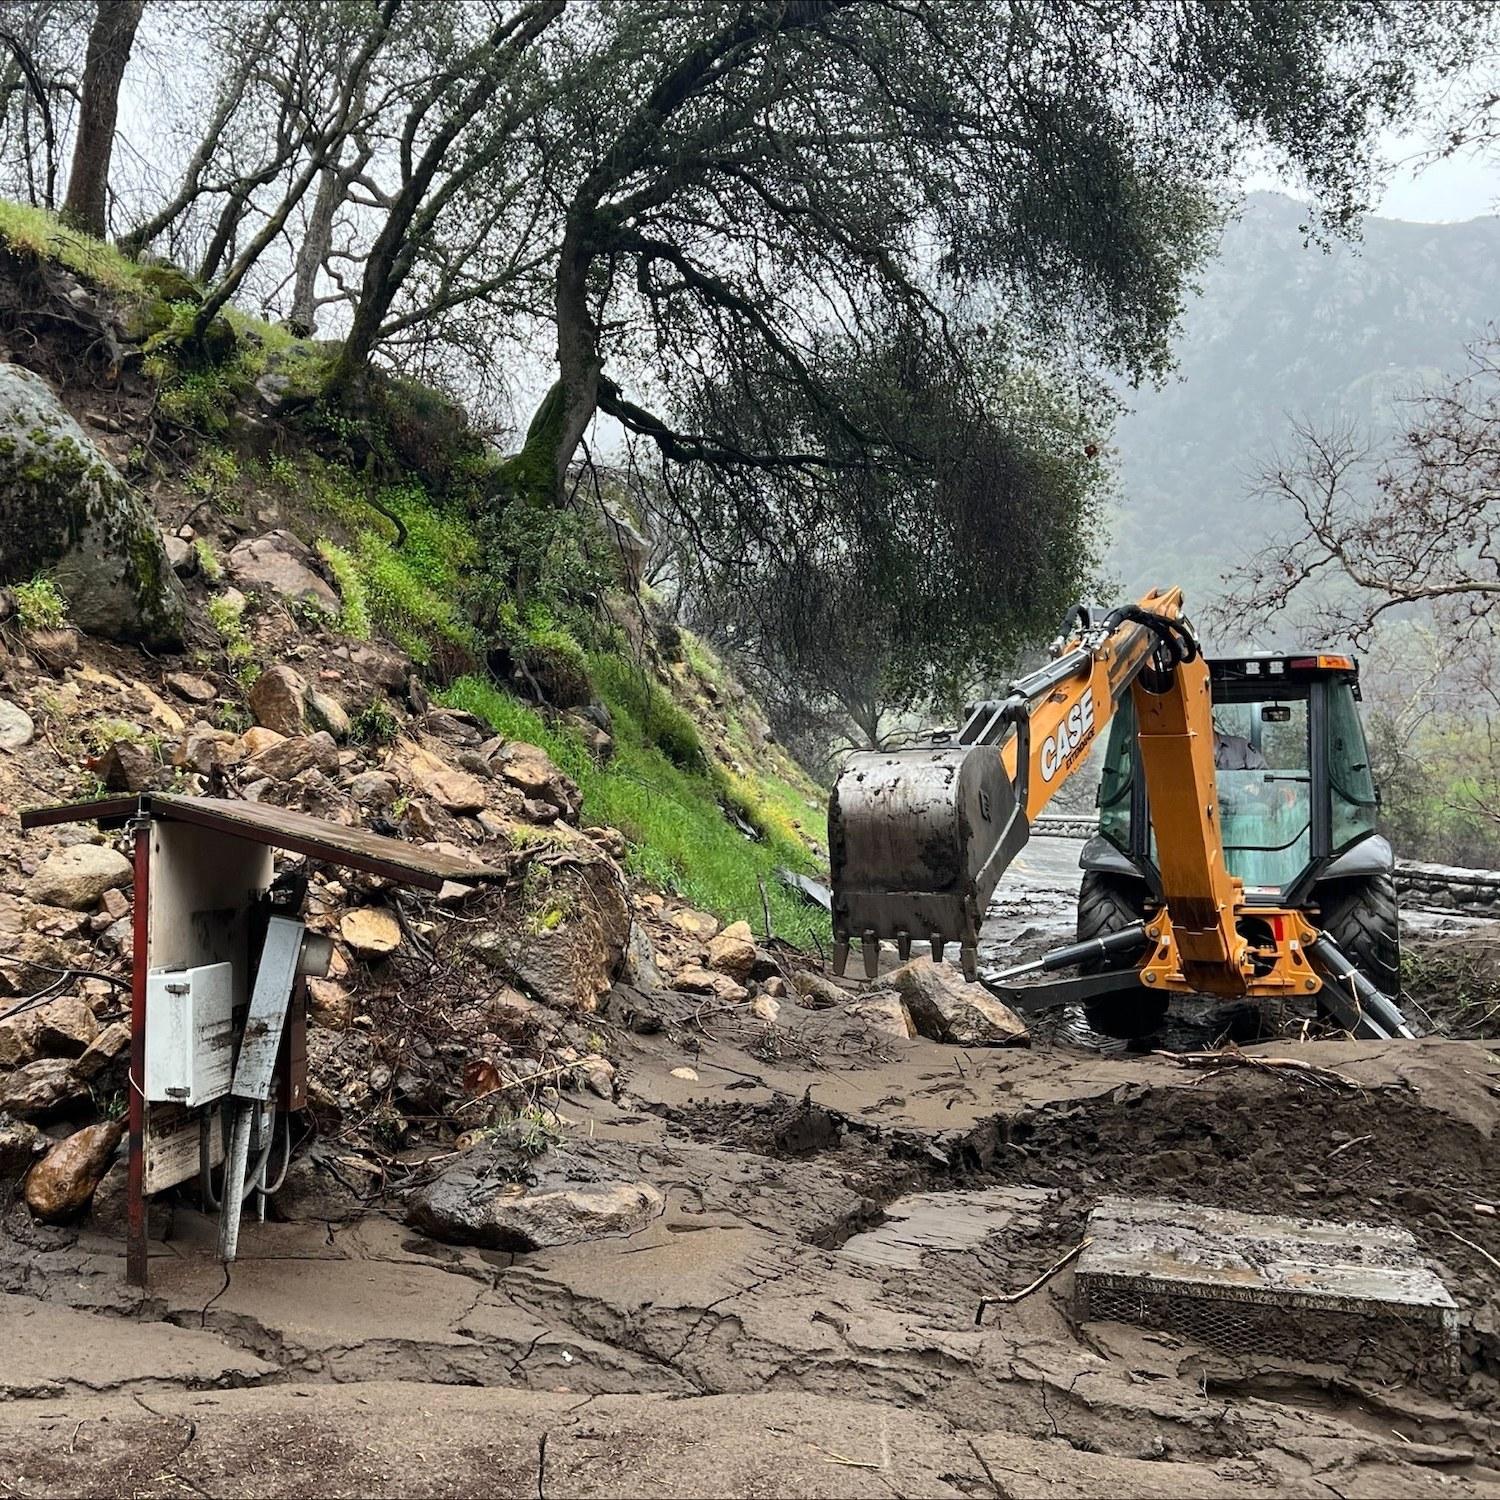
(65, 511)
(169, 282)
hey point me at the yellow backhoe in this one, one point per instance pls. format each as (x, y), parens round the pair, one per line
(1237, 854)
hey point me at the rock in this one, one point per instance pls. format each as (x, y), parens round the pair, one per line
(126, 766)
(61, 1028)
(275, 563)
(816, 991)
(324, 711)
(374, 789)
(540, 813)
(114, 904)
(205, 748)
(57, 650)
(573, 964)
(384, 666)
(532, 772)
(946, 1007)
(765, 1008)
(110, 1044)
(458, 791)
(887, 1013)
(193, 689)
(640, 967)
(732, 952)
(688, 1075)
(776, 986)
(290, 757)
(696, 924)
(253, 741)
(78, 876)
(330, 1004)
(182, 557)
(278, 699)
(598, 1076)
(706, 982)
(20, 1145)
(66, 512)
(16, 729)
(464, 1207)
(41, 1088)
(371, 931)
(63, 1181)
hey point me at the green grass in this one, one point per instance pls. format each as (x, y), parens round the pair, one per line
(40, 604)
(672, 816)
(354, 610)
(36, 232)
(408, 592)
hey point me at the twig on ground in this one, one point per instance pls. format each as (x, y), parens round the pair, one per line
(1009, 1299)
(1448, 1229)
(1339, 1150)
(1277, 1067)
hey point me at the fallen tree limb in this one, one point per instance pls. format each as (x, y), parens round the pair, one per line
(1009, 1299)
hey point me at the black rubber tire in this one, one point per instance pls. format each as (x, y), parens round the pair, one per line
(1109, 904)
(1363, 916)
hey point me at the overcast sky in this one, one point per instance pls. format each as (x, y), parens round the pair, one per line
(1462, 187)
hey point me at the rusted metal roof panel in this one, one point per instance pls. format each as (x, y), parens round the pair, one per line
(282, 828)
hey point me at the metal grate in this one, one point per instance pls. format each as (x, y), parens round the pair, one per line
(1307, 1291)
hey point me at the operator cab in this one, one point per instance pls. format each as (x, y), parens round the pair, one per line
(1296, 792)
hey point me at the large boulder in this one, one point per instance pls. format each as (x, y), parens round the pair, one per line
(20, 1145)
(467, 1208)
(946, 1007)
(63, 1181)
(41, 1088)
(78, 876)
(530, 770)
(279, 563)
(570, 951)
(732, 952)
(66, 512)
(64, 1027)
(278, 699)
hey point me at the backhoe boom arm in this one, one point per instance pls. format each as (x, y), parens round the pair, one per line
(919, 837)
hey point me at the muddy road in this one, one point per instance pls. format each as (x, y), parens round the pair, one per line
(800, 1313)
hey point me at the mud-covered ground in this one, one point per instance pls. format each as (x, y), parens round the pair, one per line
(802, 1317)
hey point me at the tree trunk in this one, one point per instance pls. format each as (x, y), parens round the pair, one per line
(316, 239)
(235, 208)
(110, 41)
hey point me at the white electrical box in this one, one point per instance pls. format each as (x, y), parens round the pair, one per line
(189, 1034)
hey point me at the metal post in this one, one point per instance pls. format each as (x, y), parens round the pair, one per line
(135, 1234)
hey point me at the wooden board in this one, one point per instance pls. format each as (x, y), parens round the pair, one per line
(172, 1145)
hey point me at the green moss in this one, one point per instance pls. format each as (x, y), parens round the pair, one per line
(208, 560)
(672, 816)
(34, 231)
(40, 605)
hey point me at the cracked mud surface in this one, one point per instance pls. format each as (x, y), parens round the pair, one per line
(801, 1320)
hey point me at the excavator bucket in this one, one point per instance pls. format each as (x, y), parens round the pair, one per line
(917, 839)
